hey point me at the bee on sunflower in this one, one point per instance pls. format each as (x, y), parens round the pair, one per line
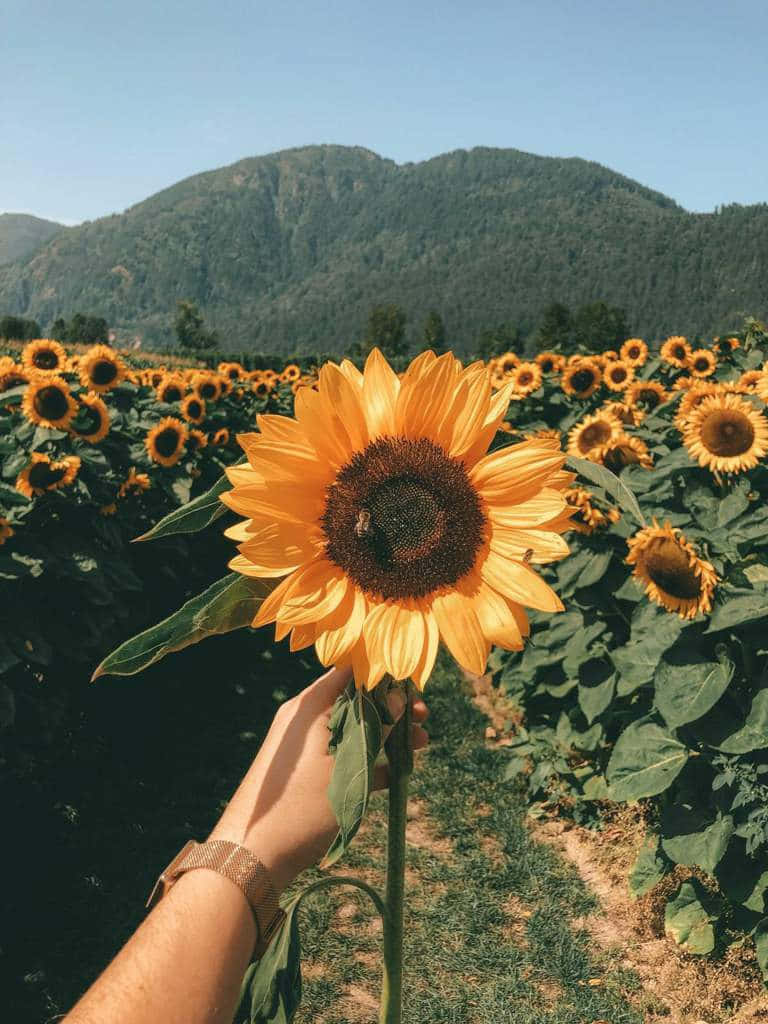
(634, 351)
(702, 363)
(726, 434)
(166, 440)
(193, 409)
(622, 450)
(6, 530)
(49, 402)
(676, 351)
(41, 474)
(592, 433)
(646, 394)
(618, 375)
(391, 526)
(675, 577)
(44, 355)
(91, 422)
(582, 378)
(171, 389)
(101, 369)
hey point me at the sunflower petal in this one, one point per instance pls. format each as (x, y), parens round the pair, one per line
(518, 583)
(461, 631)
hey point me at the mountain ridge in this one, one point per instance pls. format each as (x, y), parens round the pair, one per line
(22, 233)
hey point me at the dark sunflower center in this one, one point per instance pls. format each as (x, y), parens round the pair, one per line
(618, 374)
(634, 352)
(193, 441)
(42, 476)
(678, 352)
(402, 519)
(594, 434)
(207, 390)
(618, 457)
(167, 442)
(103, 372)
(546, 365)
(727, 432)
(233, 373)
(701, 364)
(194, 409)
(88, 420)
(45, 359)
(525, 378)
(172, 393)
(51, 403)
(261, 389)
(670, 570)
(648, 397)
(582, 379)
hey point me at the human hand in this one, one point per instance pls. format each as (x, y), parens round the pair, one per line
(281, 811)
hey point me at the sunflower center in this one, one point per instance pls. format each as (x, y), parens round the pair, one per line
(727, 432)
(648, 397)
(669, 568)
(194, 408)
(43, 476)
(701, 364)
(46, 359)
(618, 374)
(619, 456)
(207, 390)
(594, 434)
(88, 420)
(167, 441)
(402, 519)
(678, 352)
(546, 365)
(582, 379)
(103, 372)
(525, 378)
(51, 403)
(172, 393)
(634, 352)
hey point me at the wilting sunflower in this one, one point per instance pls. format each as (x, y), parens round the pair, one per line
(674, 575)
(42, 475)
(196, 439)
(550, 362)
(625, 412)
(391, 525)
(44, 355)
(702, 363)
(582, 378)
(193, 409)
(526, 378)
(648, 394)
(165, 442)
(207, 386)
(49, 402)
(134, 482)
(622, 450)
(12, 377)
(618, 375)
(221, 436)
(6, 530)
(726, 344)
(676, 351)
(592, 433)
(91, 423)
(290, 373)
(101, 369)
(588, 517)
(171, 389)
(634, 351)
(726, 434)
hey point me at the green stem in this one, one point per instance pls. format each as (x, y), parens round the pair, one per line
(400, 757)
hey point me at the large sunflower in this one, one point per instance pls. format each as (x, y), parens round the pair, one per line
(48, 401)
(44, 355)
(618, 375)
(702, 363)
(392, 526)
(674, 575)
(592, 432)
(101, 369)
(726, 434)
(92, 420)
(581, 378)
(165, 441)
(634, 351)
(676, 351)
(41, 474)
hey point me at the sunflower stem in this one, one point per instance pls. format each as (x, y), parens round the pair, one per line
(400, 757)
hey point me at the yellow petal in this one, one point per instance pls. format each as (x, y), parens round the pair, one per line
(280, 547)
(497, 410)
(301, 637)
(543, 507)
(460, 630)
(342, 405)
(270, 606)
(497, 621)
(423, 670)
(518, 583)
(336, 639)
(329, 441)
(397, 635)
(514, 474)
(422, 402)
(281, 428)
(544, 545)
(318, 589)
(381, 387)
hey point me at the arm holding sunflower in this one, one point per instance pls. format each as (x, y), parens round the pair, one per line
(186, 960)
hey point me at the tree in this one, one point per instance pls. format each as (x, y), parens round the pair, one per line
(18, 328)
(497, 340)
(386, 330)
(190, 328)
(556, 328)
(434, 332)
(598, 326)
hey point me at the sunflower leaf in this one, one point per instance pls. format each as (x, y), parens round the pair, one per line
(688, 918)
(645, 761)
(192, 517)
(603, 477)
(227, 604)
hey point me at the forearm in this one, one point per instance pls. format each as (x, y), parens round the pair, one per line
(183, 965)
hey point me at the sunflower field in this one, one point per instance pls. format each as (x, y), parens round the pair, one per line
(650, 688)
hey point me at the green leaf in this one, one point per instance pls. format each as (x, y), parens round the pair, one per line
(194, 516)
(737, 607)
(274, 981)
(228, 604)
(689, 836)
(760, 936)
(597, 685)
(595, 569)
(645, 761)
(687, 686)
(649, 867)
(603, 477)
(576, 651)
(733, 504)
(688, 919)
(356, 738)
(743, 879)
(653, 632)
(753, 734)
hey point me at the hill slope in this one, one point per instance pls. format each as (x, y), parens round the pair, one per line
(289, 251)
(21, 234)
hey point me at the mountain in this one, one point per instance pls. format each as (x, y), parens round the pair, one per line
(21, 234)
(287, 252)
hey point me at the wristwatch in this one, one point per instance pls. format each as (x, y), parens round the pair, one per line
(240, 866)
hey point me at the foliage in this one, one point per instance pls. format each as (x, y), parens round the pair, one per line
(82, 328)
(434, 332)
(385, 330)
(17, 328)
(190, 329)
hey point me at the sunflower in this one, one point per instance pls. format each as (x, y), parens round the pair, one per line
(101, 369)
(221, 436)
(581, 379)
(171, 389)
(290, 373)
(526, 378)
(207, 386)
(622, 450)
(726, 344)
(550, 362)
(591, 433)
(270, 375)
(676, 351)
(196, 439)
(674, 575)
(262, 388)
(44, 355)
(546, 434)
(648, 394)
(232, 371)
(702, 363)
(726, 434)
(165, 441)
(6, 530)
(749, 380)
(91, 423)
(618, 375)
(193, 409)
(634, 351)
(507, 362)
(134, 482)
(392, 527)
(12, 377)
(42, 475)
(696, 393)
(625, 411)
(588, 517)
(108, 510)
(48, 401)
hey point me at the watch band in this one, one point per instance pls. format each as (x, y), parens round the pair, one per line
(240, 866)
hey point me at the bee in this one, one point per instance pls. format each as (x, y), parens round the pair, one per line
(528, 556)
(363, 524)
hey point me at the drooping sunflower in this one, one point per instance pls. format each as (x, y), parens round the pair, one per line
(290, 373)
(12, 377)
(588, 517)
(726, 345)
(647, 394)
(91, 422)
(674, 575)
(618, 375)
(196, 439)
(48, 401)
(726, 434)
(207, 386)
(171, 389)
(134, 483)
(592, 433)
(676, 351)
(702, 363)
(44, 355)
(622, 450)
(634, 351)
(391, 525)
(165, 441)
(626, 412)
(526, 378)
(101, 369)
(221, 436)
(582, 378)
(193, 409)
(6, 530)
(550, 362)
(41, 474)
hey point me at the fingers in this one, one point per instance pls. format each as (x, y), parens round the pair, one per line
(420, 710)
(329, 686)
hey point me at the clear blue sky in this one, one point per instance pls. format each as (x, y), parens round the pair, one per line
(103, 103)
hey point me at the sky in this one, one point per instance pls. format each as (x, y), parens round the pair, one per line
(102, 104)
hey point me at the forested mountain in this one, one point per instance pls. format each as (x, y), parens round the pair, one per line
(289, 251)
(21, 234)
